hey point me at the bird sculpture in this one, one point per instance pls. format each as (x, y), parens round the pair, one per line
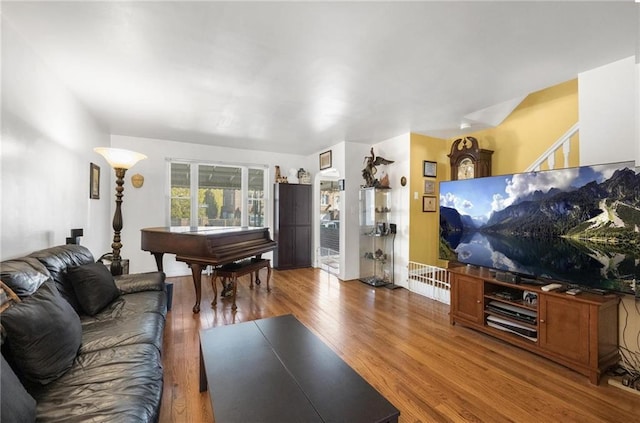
(370, 170)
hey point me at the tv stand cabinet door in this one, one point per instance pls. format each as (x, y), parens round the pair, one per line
(467, 299)
(564, 328)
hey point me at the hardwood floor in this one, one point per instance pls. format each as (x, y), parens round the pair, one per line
(402, 344)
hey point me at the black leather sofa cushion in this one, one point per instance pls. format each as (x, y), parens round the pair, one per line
(110, 333)
(138, 282)
(24, 275)
(121, 384)
(131, 305)
(93, 286)
(43, 335)
(57, 260)
(16, 405)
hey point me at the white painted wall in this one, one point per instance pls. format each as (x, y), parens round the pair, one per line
(347, 162)
(398, 149)
(334, 173)
(636, 134)
(350, 227)
(147, 206)
(607, 98)
(47, 143)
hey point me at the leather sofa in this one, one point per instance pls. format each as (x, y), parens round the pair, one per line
(79, 345)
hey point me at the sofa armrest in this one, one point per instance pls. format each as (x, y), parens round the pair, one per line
(138, 282)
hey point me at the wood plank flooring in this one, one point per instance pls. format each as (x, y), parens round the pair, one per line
(402, 344)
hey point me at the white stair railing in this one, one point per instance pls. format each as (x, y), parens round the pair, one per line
(549, 156)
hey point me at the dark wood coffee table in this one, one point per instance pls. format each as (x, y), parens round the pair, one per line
(277, 370)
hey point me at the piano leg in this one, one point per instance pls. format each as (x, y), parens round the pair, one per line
(214, 276)
(268, 276)
(234, 281)
(196, 271)
(158, 257)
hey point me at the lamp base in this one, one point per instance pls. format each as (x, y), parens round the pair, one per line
(107, 260)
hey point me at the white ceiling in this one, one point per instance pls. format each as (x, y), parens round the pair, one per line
(298, 77)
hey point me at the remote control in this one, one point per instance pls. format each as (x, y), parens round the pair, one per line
(551, 287)
(574, 291)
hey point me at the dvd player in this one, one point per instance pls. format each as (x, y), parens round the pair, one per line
(499, 323)
(518, 313)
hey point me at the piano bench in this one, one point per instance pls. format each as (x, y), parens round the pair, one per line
(236, 269)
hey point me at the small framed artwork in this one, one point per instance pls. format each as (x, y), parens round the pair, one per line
(94, 181)
(325, 160)
(428, 203)
(429, 186)
(429, 169)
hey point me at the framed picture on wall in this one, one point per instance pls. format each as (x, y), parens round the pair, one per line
(429, 186)
(94, 181)
(428, 203)
(325, 160)
(429, 169)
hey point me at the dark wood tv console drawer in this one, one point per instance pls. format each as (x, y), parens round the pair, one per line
(579, 332)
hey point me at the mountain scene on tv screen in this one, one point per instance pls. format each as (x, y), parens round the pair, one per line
(580, 225)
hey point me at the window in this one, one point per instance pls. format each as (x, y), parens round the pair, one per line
(180, 194)
(256, 197)
(205, 194)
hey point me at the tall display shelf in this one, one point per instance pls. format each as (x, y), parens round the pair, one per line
(376, 247)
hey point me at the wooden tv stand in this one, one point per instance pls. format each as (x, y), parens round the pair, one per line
(579, 332)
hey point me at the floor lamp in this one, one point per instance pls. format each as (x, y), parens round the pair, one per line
(120, 160)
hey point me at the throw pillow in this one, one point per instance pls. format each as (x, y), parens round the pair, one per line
(93, 285)
(24, 275)
(17, 405)
(43, 334)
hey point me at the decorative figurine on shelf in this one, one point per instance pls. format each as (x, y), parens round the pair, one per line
(384, 181)
(304, 176)
(370, 170)
(293, 176)
(279, 178)
(380, 255)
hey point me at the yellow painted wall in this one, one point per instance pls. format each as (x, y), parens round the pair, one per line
(534, 125)
(424, 226)
(538, 122)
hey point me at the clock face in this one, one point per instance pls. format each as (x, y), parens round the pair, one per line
(466, 168)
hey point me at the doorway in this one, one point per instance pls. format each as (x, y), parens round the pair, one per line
(329, 246)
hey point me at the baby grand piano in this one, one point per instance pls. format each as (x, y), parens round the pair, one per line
(202, 246)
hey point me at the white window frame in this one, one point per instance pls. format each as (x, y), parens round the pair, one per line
(193, 185)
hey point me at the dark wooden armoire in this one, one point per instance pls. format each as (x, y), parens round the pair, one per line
(292, 225)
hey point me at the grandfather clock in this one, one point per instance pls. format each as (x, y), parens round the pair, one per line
(468, 160)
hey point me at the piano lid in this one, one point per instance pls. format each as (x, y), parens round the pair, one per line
(218, 244)
(204, 230)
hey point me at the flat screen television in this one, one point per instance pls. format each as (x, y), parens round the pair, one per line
(576, 225)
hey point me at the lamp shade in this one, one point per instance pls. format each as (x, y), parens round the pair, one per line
(119, 158)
